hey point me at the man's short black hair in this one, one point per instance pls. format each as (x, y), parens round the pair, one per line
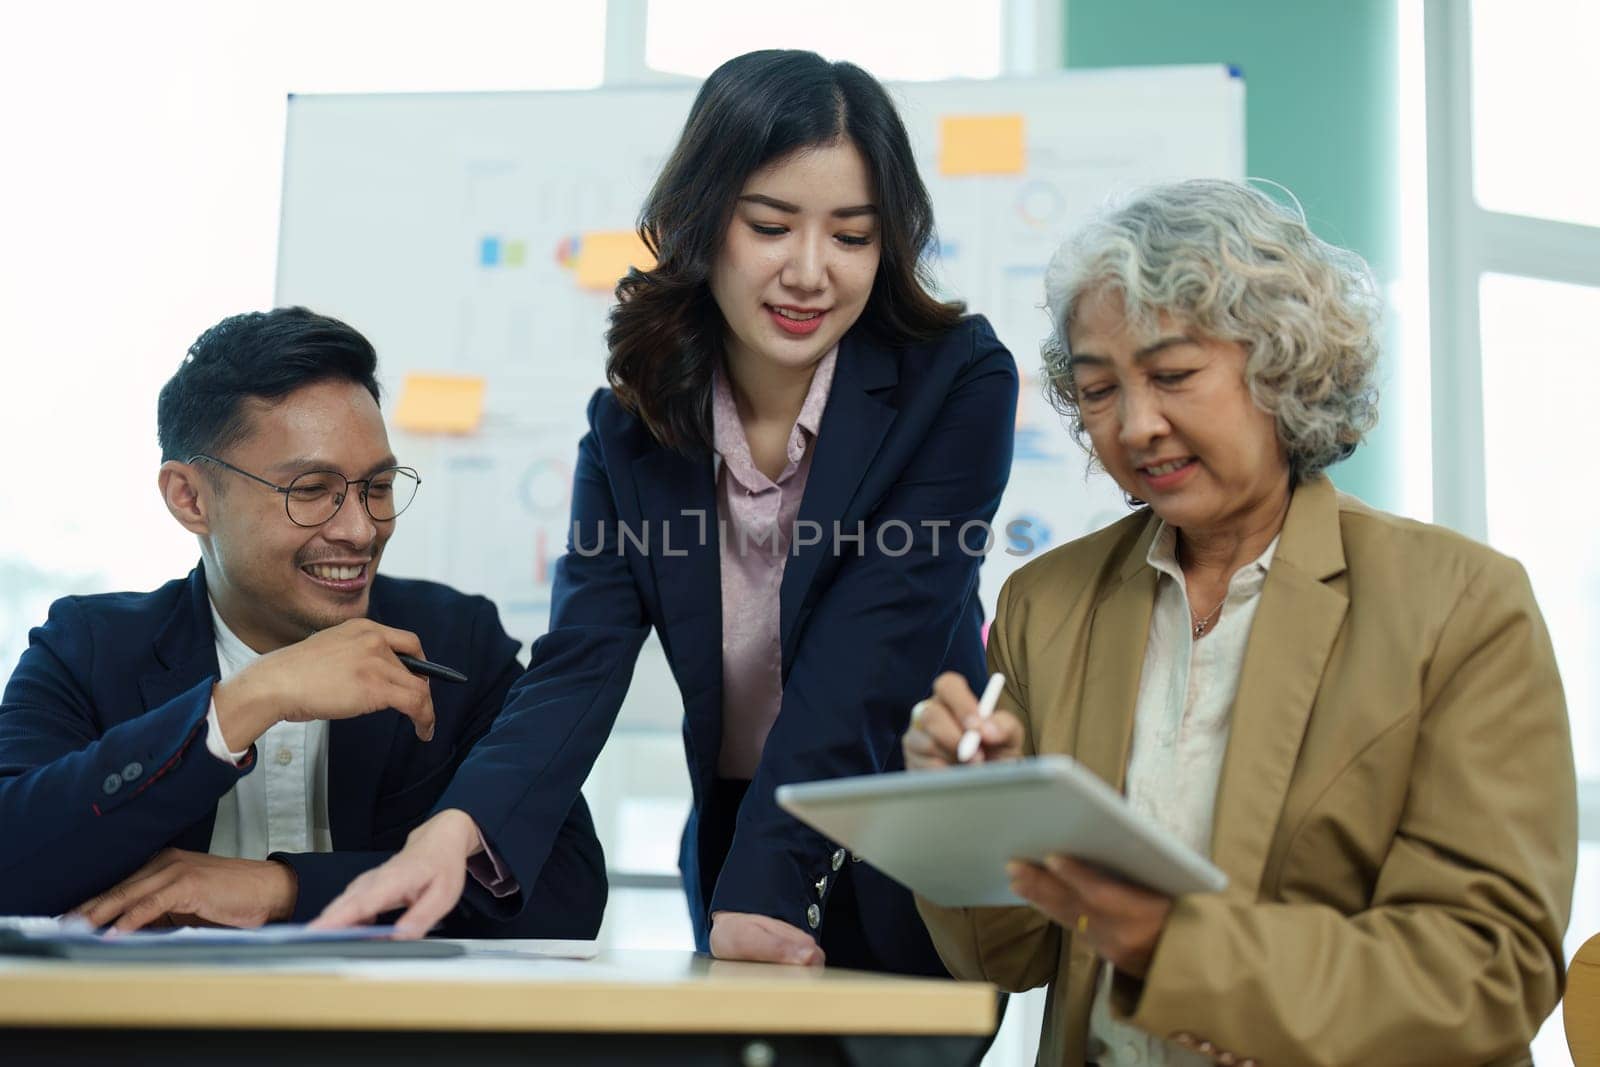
(261, 354)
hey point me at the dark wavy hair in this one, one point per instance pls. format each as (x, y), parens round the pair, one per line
(666, 331)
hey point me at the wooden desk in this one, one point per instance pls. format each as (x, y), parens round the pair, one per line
(622, 1007)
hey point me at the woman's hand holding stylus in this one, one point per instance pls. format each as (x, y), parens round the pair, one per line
(939, 723)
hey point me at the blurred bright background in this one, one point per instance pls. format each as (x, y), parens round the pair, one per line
(1451, 143)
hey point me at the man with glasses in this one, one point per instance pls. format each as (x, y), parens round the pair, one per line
(234, 747)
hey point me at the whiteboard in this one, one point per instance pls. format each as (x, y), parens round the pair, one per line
(442, 226)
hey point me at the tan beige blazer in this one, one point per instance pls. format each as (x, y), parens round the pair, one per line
(1397, 814)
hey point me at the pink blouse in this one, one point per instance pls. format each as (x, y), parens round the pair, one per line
(757, 518)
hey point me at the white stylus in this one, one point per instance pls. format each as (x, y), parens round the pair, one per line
(970, 741)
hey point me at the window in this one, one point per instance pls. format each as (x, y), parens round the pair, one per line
(897, 40)
(1538, 353)
(1534, 86)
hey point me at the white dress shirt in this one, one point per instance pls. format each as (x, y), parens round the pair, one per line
(281, 805)
(1181, 723)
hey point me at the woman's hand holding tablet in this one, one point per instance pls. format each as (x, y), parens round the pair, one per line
(1119, 921)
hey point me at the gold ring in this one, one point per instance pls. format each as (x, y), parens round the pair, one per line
(1083, 924)
(917, 711)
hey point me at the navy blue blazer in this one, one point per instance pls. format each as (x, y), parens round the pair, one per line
(915, 441)
(103, 760)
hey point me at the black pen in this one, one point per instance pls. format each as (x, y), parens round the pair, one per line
(432, 670)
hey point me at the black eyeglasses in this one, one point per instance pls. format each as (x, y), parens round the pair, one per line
(314, 497)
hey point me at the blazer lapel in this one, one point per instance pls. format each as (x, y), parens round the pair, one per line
(186, 649)
(853, 427)
(678, 493)
(1291, 638)
(1114, 661)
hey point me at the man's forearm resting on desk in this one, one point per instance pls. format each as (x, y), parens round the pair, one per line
(181, 888)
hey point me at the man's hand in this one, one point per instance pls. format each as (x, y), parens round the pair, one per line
(426, 878)
(938, 722)
(1121, 922)
(179, 888)
(737, 935)
(338, 673)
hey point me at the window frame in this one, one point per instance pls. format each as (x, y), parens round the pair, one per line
(1032, 38)
(1465, 242)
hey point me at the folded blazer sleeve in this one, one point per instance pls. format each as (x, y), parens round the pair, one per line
(568, 897)
(520, 781)
(875, 640)
(81, 808)
(1015, 948)
(1469, 905)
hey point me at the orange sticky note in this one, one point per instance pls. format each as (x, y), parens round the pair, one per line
(981, 144)
(440, 403)
(604, 256)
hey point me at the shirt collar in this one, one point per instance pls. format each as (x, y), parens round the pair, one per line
(1163, 556)
(727, 432)
(810, 418)
(230, 649)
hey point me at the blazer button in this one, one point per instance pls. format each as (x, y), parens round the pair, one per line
(132, 771)
(1205, 1047)
(838, 859)
(813, 916)
(1227, 1059)
(822, 885)
(112, 783)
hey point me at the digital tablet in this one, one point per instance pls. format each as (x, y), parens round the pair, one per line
(949, 834)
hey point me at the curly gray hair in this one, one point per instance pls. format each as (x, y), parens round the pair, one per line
(1240, 267)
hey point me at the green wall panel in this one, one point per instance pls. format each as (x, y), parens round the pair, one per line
(1320, 89)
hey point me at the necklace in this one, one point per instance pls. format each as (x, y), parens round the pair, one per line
(1201, 625)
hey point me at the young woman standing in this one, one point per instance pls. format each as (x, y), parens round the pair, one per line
(812, 445)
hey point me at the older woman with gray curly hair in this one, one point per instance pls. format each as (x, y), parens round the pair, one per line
(1356, 717)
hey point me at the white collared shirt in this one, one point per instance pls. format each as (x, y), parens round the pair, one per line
(1181, 724)
(282, 804)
